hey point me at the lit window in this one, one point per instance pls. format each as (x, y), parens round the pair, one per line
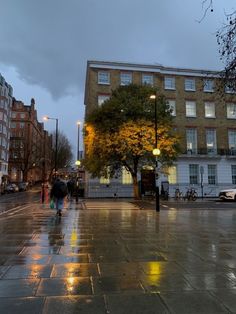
(172, 107)
(191, 139)
(102, 98)
(193, 174)
(104, 180)
(231, 111)
(212, 174)
(126, 177)
(210, 110)
(190, 85)
(190, 109)
(208, 86)
(169, 82)
(232, 140)
(147, 79)
(125, 78)
(211, 141)
(103, 77)
(172, 176)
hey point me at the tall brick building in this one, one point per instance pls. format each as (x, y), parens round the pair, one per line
(6, 92)
(30, 145)
(204, 116)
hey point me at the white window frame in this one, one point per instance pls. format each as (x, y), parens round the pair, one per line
(211, 141)
(212, 174)
(233, 173)
(102, 98)
(232, 139)
(208, 86)
(172, 105)
(191, 140)
(147, 79)
(229, 90)
(104, 77)
(231, 110)
(190, 84)
(126, 177)
(172, 174)
(104, 180)
(125, 78)
(210, 111)
(193, 173)
(191, 109)
(169, 82)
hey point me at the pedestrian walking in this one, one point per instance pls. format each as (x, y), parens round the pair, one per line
(70, 187)
(58, 193)
(76, 187)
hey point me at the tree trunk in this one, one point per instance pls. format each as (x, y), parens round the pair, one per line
(136, 187)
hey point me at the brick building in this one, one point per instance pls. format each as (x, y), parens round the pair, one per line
(204, 116)
(30, 145)
(6, 92)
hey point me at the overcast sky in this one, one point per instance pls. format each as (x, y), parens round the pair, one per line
(45, 45)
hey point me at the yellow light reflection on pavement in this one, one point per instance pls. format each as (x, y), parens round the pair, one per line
(70, 284)
(154, 268)
(73, 239)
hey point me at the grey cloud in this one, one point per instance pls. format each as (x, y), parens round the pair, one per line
(49, 41)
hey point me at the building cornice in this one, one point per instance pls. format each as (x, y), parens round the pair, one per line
(155, 68)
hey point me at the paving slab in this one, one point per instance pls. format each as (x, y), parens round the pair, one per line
(112, 257)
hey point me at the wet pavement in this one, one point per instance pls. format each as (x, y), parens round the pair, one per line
(113, 257)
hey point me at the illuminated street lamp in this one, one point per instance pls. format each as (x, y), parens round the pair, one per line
(156, 153)
(77, 163)
(56, 146)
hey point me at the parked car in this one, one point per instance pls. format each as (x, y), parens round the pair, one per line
(11, 188)
(23, 186)
(229, 194)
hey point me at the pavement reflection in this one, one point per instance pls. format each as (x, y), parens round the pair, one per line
(110, 256)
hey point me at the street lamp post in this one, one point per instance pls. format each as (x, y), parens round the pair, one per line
(56, 146)
(156, 153)
(78, 156)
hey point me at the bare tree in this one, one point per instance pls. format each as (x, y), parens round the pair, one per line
(64, 151)
(226, 39)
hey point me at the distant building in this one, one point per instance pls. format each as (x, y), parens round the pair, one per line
(6, 93)
(204, 117)
(30, 145)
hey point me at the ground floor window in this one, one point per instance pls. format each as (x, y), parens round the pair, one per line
(172, 175)
(212, 174)
(233, 171)
(105, 179)
(193, 173)
(126, 177)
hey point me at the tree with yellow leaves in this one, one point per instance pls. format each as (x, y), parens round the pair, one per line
(121, 133)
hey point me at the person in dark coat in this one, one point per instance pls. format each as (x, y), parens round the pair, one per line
(58, 192)
(70, 187)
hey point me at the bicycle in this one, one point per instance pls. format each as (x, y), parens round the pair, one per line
(178, 194)
(191, 195)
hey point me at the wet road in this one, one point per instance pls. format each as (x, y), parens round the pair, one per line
(112, 257)
(15, 201)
